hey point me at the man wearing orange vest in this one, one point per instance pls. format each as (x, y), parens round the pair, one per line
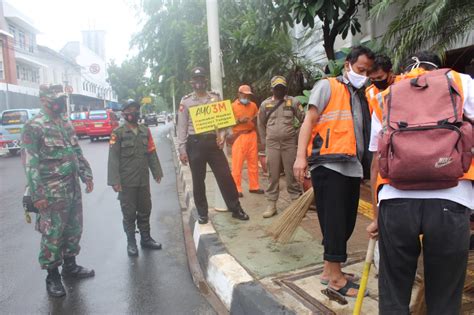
(244, 136)
(381, 76)
(338, 125)
(441, 215)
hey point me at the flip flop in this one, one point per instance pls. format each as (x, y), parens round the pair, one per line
(349, 277)
(342, 292)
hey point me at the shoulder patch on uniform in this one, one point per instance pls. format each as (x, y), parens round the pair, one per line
(181, 108)
(269, 105)
(186, 96)
(113, 139)
(289, 102)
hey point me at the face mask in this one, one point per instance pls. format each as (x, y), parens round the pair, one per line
(131, 117)
(244, 101)
(279, 93)
(199, 86)
(357, 80)
(58, 105)
(381, 85)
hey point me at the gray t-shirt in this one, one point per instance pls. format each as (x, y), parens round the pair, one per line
(319, 98)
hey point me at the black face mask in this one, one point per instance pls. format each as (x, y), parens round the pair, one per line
(58, 105)
(131, 117)
(382, 84)
(279, 93)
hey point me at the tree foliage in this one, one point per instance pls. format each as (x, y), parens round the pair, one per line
(425, 24)
(338, 17)
(128, 80)
(255, 43)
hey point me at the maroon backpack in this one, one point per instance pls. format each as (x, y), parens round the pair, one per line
(425, 143)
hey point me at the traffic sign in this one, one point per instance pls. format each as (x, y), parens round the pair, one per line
(94, 68)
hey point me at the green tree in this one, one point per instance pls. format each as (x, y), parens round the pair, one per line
(338, 17)
(254, 40)
(425, 24)
(128, 80)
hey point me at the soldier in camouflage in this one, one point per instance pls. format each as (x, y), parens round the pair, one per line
(54, 163)
(132, 155)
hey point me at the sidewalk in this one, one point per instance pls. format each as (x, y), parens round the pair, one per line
(252, 274)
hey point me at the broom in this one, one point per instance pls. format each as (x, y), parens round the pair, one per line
(283, 228)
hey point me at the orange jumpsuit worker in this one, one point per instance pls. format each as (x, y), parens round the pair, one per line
(245, 141)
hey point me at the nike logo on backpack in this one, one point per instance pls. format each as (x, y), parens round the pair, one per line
(444, 161)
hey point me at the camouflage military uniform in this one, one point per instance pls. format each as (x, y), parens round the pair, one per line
(53, 164)
(131, 156)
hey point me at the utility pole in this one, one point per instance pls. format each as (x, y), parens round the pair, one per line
(215, 71)
(174, 106)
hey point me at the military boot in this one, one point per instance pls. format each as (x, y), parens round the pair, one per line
(271, 209)
(54, 285)
(147, 241)
(73, 270)
(132, 249)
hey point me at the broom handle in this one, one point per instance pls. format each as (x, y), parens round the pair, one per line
(365, 277)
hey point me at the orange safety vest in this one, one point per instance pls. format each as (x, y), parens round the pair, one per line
(381, 101)
(333, 136)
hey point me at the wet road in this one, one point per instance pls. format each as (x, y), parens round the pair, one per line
(157, 282)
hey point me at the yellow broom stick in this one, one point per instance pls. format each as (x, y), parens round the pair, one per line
(365, 277)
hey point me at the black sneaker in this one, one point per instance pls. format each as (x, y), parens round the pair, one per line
(240, 214)
(203, 219)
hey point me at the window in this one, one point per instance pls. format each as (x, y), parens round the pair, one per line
(24, 73)
(21, 39)
(31, 43)
(35, 75)
(17, 72)
(1, 70)
(12, 30)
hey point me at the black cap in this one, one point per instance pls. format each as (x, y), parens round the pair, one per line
(198, 72)
(131, 103)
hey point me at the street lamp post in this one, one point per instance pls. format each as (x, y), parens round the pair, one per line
(215, 70)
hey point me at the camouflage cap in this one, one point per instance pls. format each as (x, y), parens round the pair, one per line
(131, 103)
(51, 91)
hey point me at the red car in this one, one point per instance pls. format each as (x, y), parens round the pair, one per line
(101, 123)
(79, 121)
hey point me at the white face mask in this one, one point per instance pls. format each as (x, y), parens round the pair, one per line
(357, 80)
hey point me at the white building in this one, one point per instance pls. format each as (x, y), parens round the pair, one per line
(93, 90)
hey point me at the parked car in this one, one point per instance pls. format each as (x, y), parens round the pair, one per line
(162, 119)
(12, 121)
(151, 119)
(79, 121)
(101, 123)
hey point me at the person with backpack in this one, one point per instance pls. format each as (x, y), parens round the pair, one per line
(422, 143)
(337, 129)
(278, 133)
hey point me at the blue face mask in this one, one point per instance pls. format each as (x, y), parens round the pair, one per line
(244, 101)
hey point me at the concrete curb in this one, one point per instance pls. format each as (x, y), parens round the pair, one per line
(234, 286)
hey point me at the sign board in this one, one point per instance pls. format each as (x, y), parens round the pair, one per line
(207, 117)
(146, 100)
(94, 68)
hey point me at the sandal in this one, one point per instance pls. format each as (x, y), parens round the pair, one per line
(349, 277)
(342, 292)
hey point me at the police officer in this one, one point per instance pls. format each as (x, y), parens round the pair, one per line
(132, 154)
(205, 148)
(54, 164)
(278, 121)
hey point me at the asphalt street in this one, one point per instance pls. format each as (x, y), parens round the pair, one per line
(156, 282)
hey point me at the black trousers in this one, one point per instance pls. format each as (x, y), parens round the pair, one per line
(445, 228)
(337, 200)
(203, 150)
(136, 207)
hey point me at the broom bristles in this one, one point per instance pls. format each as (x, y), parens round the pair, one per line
(284, 227)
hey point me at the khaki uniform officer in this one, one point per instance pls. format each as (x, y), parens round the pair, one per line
(205, 148)
(278, 120)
